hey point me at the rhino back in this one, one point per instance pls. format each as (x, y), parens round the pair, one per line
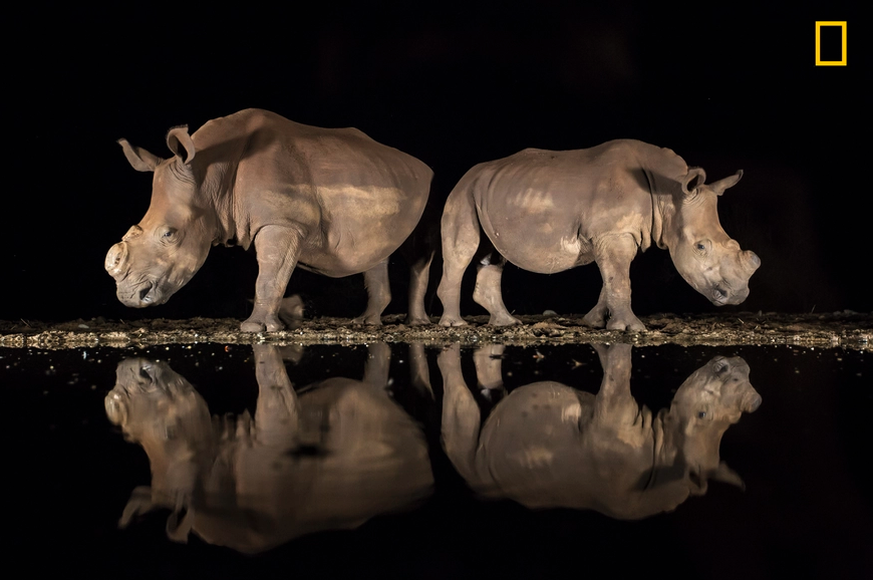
(356, 454)
(531, 438)
(542, 448)
(543, 209)
(356, 199)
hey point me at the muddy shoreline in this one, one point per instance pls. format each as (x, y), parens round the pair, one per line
(839, 329)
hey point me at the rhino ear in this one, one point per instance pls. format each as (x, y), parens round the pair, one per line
(181, 144)
(178, 528)
(693, 179)
(139, 158)
(140, 502)
(721, 185)
(727, 475)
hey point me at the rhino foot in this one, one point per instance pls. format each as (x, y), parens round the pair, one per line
(503, 319)
(452, 321)
(417, 321)
(595, 319)
(369, 320)
(271, 324)
(252, 327)
(631, 323)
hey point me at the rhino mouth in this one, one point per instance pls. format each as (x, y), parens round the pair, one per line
(722, 293)
(146, 293)
(719, 295)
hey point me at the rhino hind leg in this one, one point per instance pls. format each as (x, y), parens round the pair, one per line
(460, 233)
(613, 255)
(488, 293)
(378, 292)
(460, 416)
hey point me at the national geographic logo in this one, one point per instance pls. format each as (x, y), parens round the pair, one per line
(830, 43)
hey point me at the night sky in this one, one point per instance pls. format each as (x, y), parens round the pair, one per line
(727, 86)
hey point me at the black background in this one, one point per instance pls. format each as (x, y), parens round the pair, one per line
(725, 85)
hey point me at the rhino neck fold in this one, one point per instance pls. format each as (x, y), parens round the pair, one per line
(664, 226)
(664, 427)
(218, 184)
(660, 208)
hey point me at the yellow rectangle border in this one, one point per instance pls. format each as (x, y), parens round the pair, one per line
(818, 60)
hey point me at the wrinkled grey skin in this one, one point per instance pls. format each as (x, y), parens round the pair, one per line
(332, 201)
(549, 211)
(329, 459)
(549, 445)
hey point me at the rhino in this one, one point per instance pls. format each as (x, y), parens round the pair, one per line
(329, 458)
(333, 201)
(549, 211)
(548, 445)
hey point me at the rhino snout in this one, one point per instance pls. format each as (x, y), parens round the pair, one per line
(116, 407)
(116, 260)
(752, 404)
(722, 294)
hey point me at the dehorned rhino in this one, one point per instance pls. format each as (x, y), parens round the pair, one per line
(333, 201)
(549, 211)
(330, 458)
(549, 445)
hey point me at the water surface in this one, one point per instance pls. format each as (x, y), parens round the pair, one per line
(357, 449)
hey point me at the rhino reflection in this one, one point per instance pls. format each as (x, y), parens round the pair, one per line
(330, 458)
(549, 445)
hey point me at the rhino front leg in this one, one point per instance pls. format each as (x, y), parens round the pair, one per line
(419, 275)
(419, 372)
(614, 405)
(376, 370)
(613, 255)
(277, 248)
(419, 250)
(378, 294)
(276, 414)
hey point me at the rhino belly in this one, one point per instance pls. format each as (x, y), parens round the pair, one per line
(537, 243)
(362, 227)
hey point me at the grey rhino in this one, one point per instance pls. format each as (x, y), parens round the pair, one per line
(549, 211)
(549, 445)
(333, 201)
(330, 458)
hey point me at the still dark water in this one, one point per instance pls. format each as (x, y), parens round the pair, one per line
(409, 462)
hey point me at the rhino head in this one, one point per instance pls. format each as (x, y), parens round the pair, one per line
(153, 404)
(163, 252)
(706, 257)
(160, 410)
(708, 402)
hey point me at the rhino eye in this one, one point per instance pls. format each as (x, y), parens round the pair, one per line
(701, 415)
(702, 246)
